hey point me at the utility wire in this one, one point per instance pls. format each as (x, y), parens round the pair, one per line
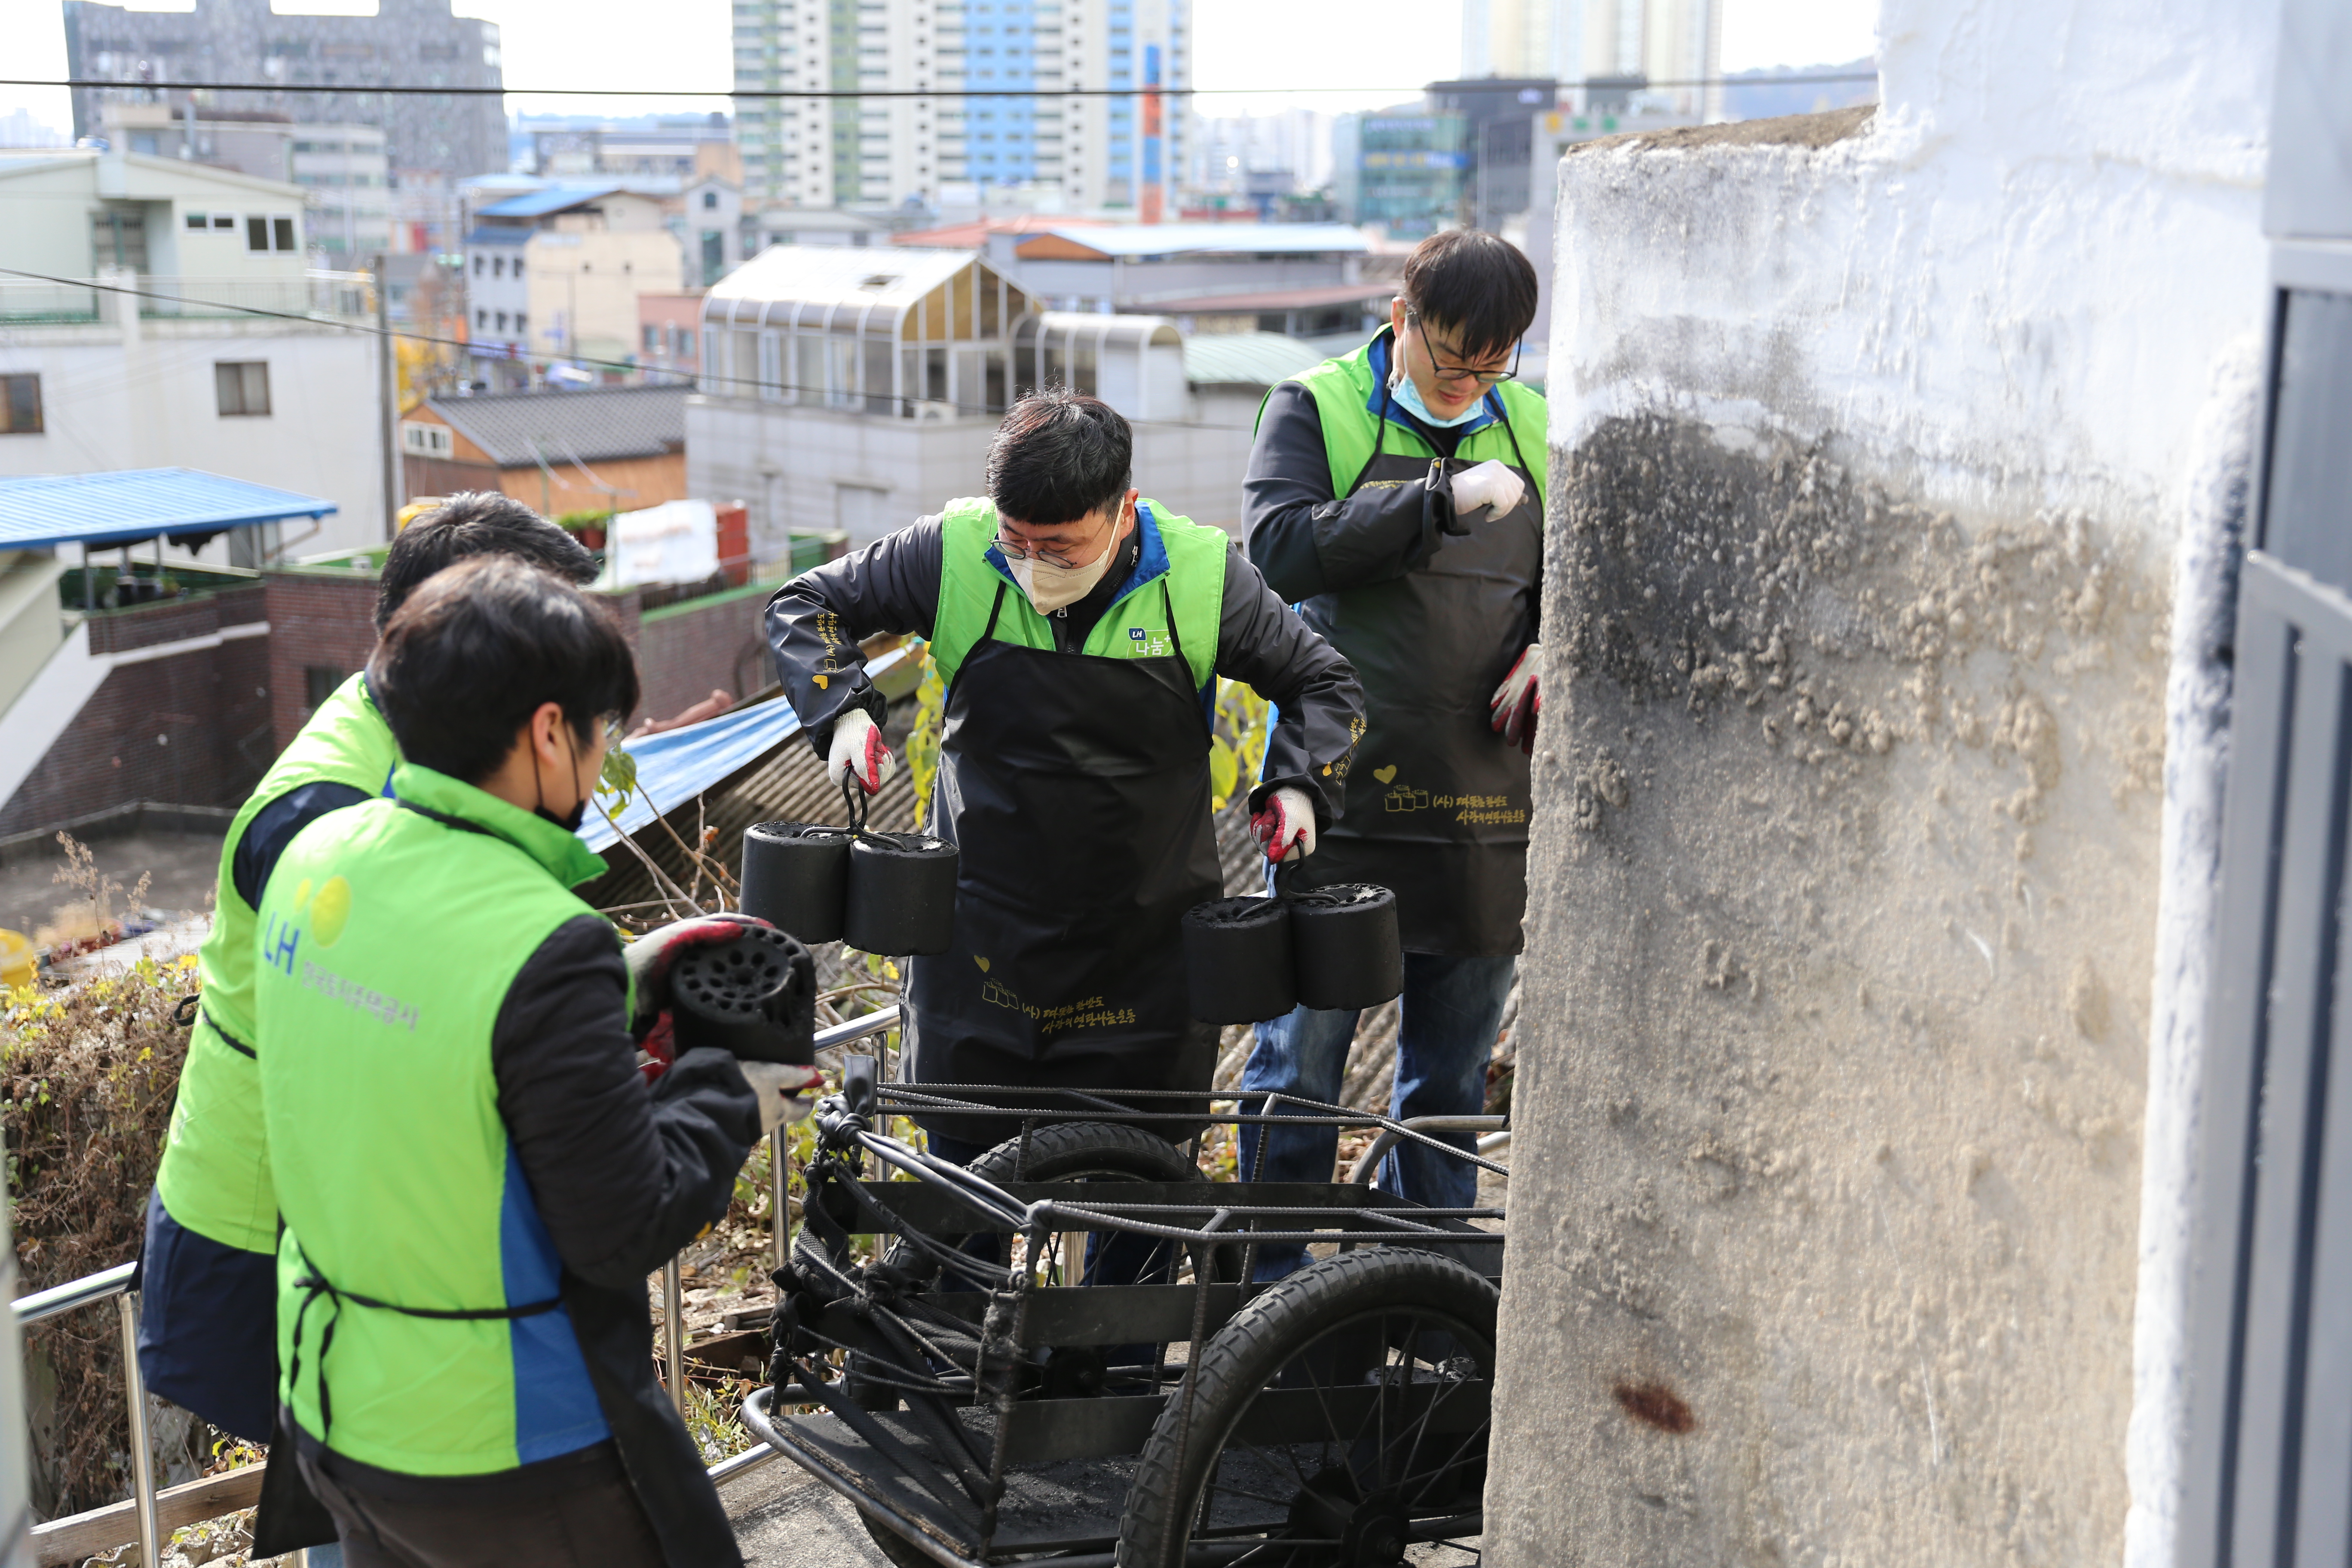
(1601, 84)
(369, 330)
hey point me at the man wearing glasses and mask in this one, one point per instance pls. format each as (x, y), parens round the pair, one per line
(1396, 495)
(1080, 629)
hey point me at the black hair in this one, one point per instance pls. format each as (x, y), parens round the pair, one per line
(1059, 456)
(475, 523)
(476, 649)
(1473, 285)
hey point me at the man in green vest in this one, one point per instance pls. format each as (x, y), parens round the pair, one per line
(1396, 495)
(208, 1273)
(473, 1175)
(1080, 629)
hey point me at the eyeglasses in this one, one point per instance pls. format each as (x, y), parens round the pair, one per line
(1052, 554)
(1442, 372)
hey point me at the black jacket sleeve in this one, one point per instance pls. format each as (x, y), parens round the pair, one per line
(273, 827)
(622, 1176)
(816, 621)
(1320, 708)
(1307, 541)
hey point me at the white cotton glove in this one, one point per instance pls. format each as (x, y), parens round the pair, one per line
(1487, 484)
(1519, 700)
(785, 1092)
(1283, 825)
(858, 752)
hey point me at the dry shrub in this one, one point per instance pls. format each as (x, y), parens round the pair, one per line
(87, 1079)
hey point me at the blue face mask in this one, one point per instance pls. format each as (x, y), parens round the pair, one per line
(1408, 396)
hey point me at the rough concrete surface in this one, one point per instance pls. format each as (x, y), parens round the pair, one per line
(785, 1519)
(1872, 444)
(181, 867)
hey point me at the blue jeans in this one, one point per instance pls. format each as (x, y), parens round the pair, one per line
(1452, 1009)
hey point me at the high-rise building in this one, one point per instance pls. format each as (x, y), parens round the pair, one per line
(1674, 43)
(321, 70)
(961, 142)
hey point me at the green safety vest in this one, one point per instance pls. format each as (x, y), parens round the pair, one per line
(1342, 389)
(1188, 556)
(214, 1179)
(388, 941)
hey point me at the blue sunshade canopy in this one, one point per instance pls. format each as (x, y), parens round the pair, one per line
(44, 511)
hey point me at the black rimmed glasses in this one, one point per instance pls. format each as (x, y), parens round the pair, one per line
(1486, 379)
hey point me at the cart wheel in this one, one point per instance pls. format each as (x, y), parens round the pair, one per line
(1086, 1152)
(896, 1547)
(1340, 1417)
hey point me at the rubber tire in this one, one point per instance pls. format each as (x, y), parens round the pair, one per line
(1244, 1356)
(1067, 1148)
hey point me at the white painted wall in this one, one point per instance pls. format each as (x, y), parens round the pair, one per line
(791, 466)
(150, 403)
(1842, 1028)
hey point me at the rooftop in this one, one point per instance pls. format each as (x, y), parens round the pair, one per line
(1308, 299)
(592, 424)
(975, 234)
(1246, 359)
(552, 199)
(43, 510)
(1126, 241)
(837, 275)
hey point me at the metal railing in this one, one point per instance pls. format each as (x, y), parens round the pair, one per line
(324, 295)
(115, 1282)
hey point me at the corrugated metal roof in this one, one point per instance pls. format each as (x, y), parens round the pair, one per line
(42, 511)
(888, 280)
(593, 423)
(539, 203)
(1215, 239)
(1246, 359)
(1317, 297)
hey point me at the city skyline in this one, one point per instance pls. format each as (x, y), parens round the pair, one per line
(1249, 59)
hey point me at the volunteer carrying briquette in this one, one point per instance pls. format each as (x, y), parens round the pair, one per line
(1080, 629)
(1396, 494)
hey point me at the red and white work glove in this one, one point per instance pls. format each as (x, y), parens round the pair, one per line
(1488, 484)
(1283, 825)
(786, 1092)
(1518, 700)
(858, 752)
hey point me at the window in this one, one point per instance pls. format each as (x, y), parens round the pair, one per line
(477, 266)
(498, 266)
(283, 228)
(225, 221)
(523, 323)
(502, 321)
(20, 405)
(242, 386)
(257, 234)
(265, 234)
(197, 220)
(319, 681)
(424, 440)
(652, 338)
(482, 320)
(709, 199)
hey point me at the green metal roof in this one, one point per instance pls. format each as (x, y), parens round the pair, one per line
(1246, 359)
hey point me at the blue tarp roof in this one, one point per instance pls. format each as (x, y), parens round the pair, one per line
(675, 767)
(539, 203)
(42, 511)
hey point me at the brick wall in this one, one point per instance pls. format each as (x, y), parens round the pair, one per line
(685, 651)
(323, 621)
(191, 728)
(200, 728)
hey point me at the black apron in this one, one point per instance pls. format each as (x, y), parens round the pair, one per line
(1075, 788)
(1437, 803)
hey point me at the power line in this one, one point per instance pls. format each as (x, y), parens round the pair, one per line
(368, 330)
(1602, 84)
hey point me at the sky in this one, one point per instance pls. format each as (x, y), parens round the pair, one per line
(1264, 55)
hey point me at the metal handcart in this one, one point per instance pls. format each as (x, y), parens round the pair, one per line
(1055, 1355)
